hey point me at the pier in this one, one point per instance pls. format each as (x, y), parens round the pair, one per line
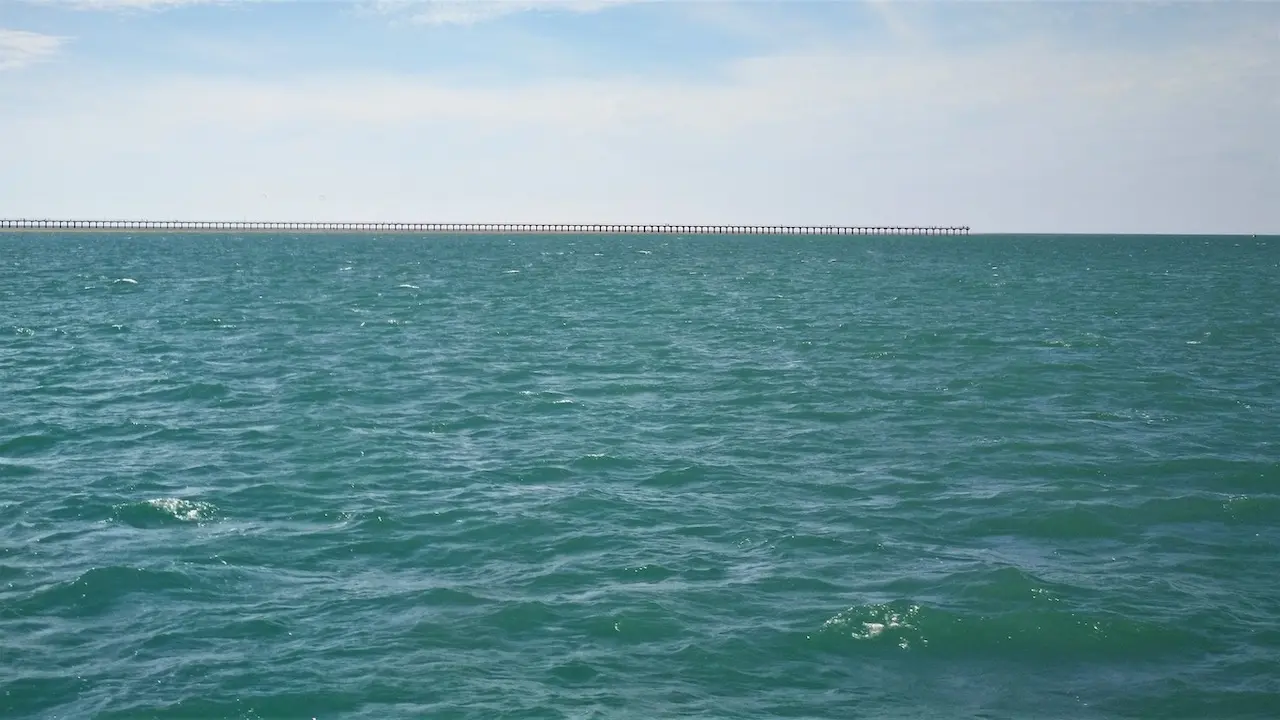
(472, 228)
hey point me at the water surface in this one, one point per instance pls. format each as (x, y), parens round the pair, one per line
(614, 477)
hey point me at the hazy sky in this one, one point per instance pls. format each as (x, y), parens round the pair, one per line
(1012, 116)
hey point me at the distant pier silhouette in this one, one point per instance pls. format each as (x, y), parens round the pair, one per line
(477, 228)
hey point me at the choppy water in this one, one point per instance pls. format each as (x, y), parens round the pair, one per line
(639, 477)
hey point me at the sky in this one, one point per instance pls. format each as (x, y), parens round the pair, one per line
(1037, 116)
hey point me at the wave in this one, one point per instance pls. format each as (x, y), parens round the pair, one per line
(1048, 632)
(161, 512)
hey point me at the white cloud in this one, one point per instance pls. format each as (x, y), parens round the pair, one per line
(19, 48)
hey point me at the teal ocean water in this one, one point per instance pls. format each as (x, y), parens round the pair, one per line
(639, 477)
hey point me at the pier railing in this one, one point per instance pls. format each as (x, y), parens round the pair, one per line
(480, 228)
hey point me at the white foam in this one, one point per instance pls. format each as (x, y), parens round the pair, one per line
(185, 510)
(407, 285)
(867, 629)
(130, 281)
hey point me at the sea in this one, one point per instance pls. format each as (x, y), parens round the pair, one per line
(629, 476)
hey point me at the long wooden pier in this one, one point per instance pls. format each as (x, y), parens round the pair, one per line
(475, 228)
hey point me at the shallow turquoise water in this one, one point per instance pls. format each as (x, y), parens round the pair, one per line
(638, 477)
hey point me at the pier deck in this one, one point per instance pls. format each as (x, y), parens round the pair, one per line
(476, 228)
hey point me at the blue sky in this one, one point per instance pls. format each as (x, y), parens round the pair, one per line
(1018, 116)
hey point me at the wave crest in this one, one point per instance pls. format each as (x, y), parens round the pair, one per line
(158, 512)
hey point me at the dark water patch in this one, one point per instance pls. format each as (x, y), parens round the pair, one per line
(683, 477)
(574, 672)
(99, 590)
(1057, 523)
(10, 572)
(643, 623)
(133, 483)
(259, 706)
(207, 639)
(1007, 587)
(32, 444)
(1186, 509)
(1183, 700)
(9, 469)
(642, 574)
(1223, 475)
(272, 496)
(29, 695)
(521, 618)
(1261, 510)
(80, 507)
(794, 584)
(176, 436)
(470, 423)
(451, 597)
(701, 531)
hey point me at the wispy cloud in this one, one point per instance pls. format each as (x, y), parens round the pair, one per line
(1014, 137)
(471, 12)
(19, 48)
(130, 4)
(427, 12)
